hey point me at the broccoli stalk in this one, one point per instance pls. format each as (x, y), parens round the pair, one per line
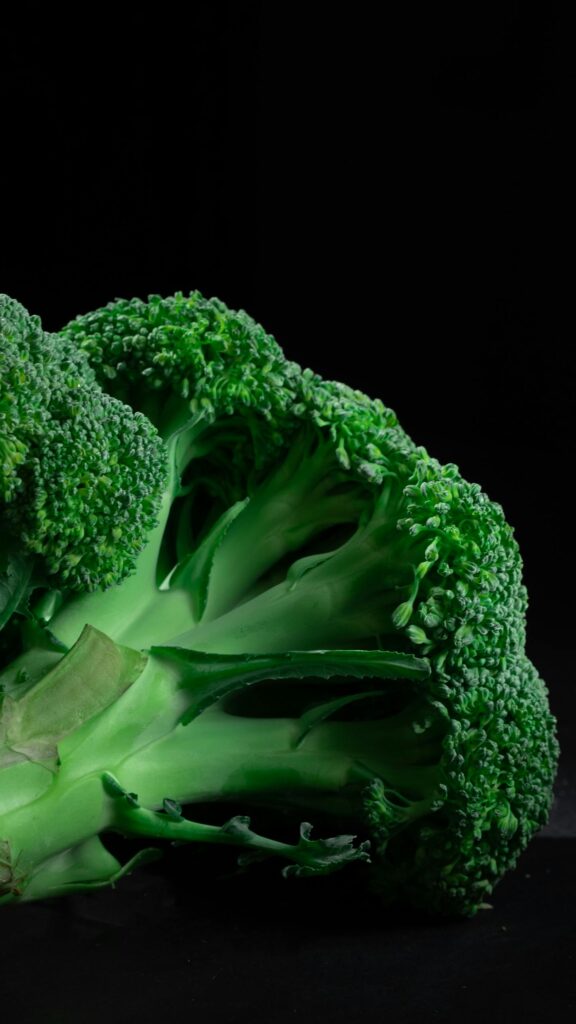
(159, 726)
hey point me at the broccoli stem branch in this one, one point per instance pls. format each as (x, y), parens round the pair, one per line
(329, 598)
(140, 740)
(308, 494)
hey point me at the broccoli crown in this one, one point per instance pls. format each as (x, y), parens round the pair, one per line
(221, 361)
(82, 474)
(497, 763)
(184, 356)
(429, 565)
(218, 360)
(302, 535)
(499, 753)
(36, 368)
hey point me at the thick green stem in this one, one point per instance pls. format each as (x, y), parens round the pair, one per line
(310, 615)
(335, 599)
(293, 505)
(66, 815)
(196, 762)
(218, 756)
(224, 757)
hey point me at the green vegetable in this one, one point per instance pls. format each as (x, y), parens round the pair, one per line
(323, 621)
(81, 473)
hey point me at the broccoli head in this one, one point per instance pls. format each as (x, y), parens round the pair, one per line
(324, 620)
(82, 473)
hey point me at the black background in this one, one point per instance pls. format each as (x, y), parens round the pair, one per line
(393, 202)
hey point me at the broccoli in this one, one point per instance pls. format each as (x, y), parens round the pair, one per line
(323, 621)
(82, 474)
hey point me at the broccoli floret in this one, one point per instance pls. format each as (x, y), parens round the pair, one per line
(82, 473)
(324, 620)
(270, 466)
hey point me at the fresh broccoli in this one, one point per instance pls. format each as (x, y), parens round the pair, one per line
(324, 620)
(81, 473)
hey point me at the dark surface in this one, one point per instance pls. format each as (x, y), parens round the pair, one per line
(392, 202)
(237, 950)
